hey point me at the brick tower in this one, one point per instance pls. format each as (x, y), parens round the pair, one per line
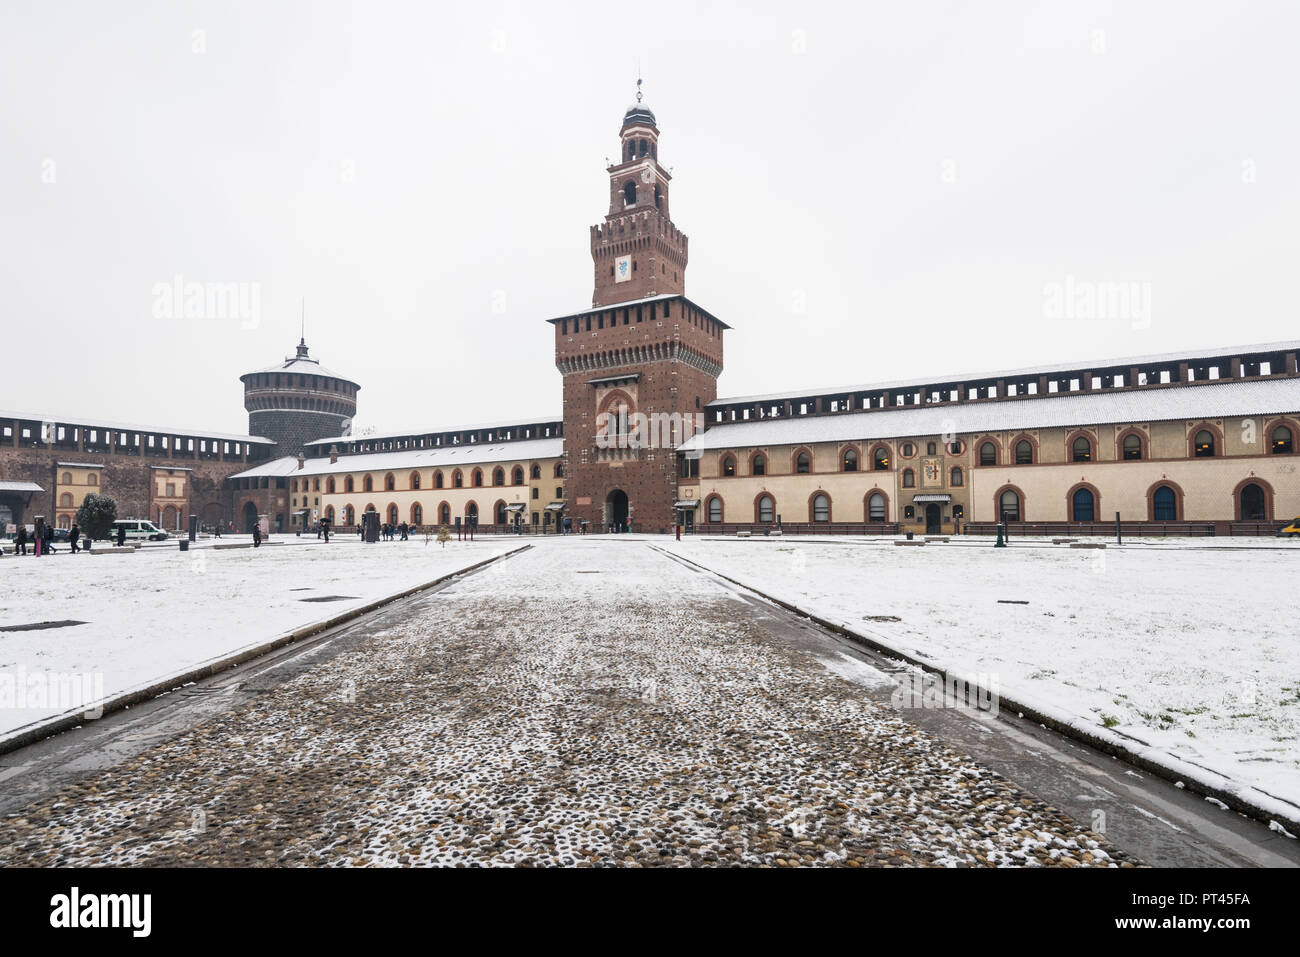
(643, 355)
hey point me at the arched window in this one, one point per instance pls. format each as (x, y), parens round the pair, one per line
(728, 465)
(444, 514)
(457, 479)
(415, 480)
(1082, 506)
(876, 508)
(958, 477)
(501, 514)
(478, 478)
(1024, 453)
(498, 476)
(417, 514)
(802, 463)
(766, 509)
(67, 478)
(1081, 449)
(471, 512)
(329, 485)
(1132, 447)
(1282, 443)
(536, 471)
(909, 478)
(368, 483)
(390, 482)
(558, 471)
(715, 509)
(437, 479)
(1009, 506)
(759, 465)
(988, 454)
(1203, 444)
(955, 447)
(850, 460)
(880, 459)
(517, 475)
(1164, 504)
(349, 515)
(392, 515)
(629, 193)
(908, 450)
(329, 514)
(347, 485)
(92, 479)
(65, 499)
(1254, 505)
(821, 508)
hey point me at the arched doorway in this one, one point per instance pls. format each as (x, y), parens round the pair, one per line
(933, 523)
(250, 517)
(616, 510)
(1254, 507)
(169, 519)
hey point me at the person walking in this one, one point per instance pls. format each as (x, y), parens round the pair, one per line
(73, 535)
(121, 535)
(257, 535)
(20, 542)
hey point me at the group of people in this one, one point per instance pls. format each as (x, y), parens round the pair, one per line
(42, 540)
(392, 533)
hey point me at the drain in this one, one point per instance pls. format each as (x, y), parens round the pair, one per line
(40, 625)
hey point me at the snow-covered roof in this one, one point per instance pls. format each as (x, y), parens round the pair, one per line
(409, 433)
(81, 465)
(302, 365)
(105, 424)
(445, 457)
(20, 487)
(1075, 366)
(1152, 404)
(647, 300)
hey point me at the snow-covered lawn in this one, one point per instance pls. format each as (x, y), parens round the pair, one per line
(1191, 650)
(159, 611)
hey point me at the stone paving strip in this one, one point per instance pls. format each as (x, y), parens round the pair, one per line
(587, 706)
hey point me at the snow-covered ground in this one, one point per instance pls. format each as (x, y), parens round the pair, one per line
(1194, 651)
(160, 611)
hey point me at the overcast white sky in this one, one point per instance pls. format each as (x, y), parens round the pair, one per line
(872, 190)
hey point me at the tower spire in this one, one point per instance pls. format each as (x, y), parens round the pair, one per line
(302, 331)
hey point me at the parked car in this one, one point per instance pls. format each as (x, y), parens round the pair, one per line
(137, 528)
(1290, 531)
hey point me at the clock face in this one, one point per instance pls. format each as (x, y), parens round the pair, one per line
(622, 268)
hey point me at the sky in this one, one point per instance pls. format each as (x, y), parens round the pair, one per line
(873, 191)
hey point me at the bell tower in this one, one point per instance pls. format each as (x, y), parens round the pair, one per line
(642, 364)
(637, 251)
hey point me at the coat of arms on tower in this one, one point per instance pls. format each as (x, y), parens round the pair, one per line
(623, 269)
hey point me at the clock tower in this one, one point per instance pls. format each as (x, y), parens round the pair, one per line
(637, 251)
(642, 364)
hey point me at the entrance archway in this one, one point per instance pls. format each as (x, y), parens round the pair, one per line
(250, 517)
(616, 510)
(932, 520)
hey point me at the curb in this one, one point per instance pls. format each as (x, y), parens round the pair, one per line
(1267, 809)
(48, 727)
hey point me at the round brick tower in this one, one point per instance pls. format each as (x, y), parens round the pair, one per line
(298, 401)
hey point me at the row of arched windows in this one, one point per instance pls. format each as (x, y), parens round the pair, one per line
(457, 479)
(1252, 503)
(415, 513)
(875, 509)
(1081, 447)
(1205, 443)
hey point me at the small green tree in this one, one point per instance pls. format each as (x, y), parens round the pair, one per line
(444, 536)
(97, 515)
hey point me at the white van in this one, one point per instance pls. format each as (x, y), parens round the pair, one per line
(136, 529)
